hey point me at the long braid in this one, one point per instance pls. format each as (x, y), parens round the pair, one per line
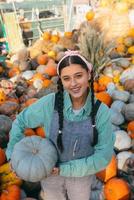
(60, 106)
(95, 138)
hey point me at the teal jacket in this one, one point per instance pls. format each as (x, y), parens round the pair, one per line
(40, 114)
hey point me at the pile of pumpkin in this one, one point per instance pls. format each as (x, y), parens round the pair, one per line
(31, 73)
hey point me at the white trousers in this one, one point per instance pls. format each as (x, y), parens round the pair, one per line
(66, 188)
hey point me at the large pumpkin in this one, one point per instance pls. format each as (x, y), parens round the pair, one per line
(116, 189)
(33, 158)
(12, 192)
(109, 172)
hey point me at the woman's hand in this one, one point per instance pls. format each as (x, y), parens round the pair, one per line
(55, 171)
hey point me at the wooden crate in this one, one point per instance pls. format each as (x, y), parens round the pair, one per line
(13, 32)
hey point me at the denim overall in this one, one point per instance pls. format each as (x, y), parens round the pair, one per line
(77, 138)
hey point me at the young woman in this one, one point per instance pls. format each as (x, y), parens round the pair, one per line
(83, 136)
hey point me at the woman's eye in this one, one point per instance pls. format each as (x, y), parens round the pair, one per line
(79, 76)
(66, 79)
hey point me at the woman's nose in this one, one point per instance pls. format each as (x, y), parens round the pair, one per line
(73, 82)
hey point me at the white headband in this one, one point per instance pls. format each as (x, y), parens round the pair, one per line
(74, 53)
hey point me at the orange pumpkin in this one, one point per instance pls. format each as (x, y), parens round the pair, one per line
(68, 34)
(40, 132)
(96, 86)
(131, 32)
(90, 15)
(2, 96)
(46, 83)
(109, 172)
(30, 101)
(55, 38)
(116, 189)
(13, 72)
(130, 127)
(42, 59)
(104, 97)
(50, 70)
(12, 192)
(1, 69)
(29, 132)
(2, 156)
(101, 88)
(105, 80)
(46, 36)
(121, 48)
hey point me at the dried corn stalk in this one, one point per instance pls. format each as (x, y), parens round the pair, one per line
(91, 45)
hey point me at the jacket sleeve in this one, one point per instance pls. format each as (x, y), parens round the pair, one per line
(103, 150)
(31, 117)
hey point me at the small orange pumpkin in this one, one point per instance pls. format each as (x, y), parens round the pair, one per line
(101, 88)
(2, 156)
(109, 172)
(131, 32)
(90, 15)
(1, 69)
(96, 86)
(40, 132)
(105, 80)
(104, 97)
(2, 96)
(42, 59)
(46, 83)
(46, 36)
(68, 34)
(130, 127)
(29, 132)
(13, 72)
(55, 38)
(121, 48)
(116, 189)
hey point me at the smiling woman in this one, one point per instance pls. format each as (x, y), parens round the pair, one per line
(78, 126)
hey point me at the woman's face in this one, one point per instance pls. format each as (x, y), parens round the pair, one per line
(75, 80)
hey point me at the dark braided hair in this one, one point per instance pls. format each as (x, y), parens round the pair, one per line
(95, 138)
(60, 105)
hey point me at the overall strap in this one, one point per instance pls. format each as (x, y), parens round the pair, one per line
(95, 132)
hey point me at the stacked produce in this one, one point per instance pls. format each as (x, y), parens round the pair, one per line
(31, 73)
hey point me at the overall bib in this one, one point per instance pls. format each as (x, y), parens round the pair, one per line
(77, 138)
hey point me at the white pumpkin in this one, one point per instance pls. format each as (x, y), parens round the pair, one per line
(33, 158)
(28, 74)
(131, 98)
(122, 141)
(123, 62)
(128, 111)
(127, 74)
(117, 105)
(116, 117)
(121, 159)
(120, 95)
